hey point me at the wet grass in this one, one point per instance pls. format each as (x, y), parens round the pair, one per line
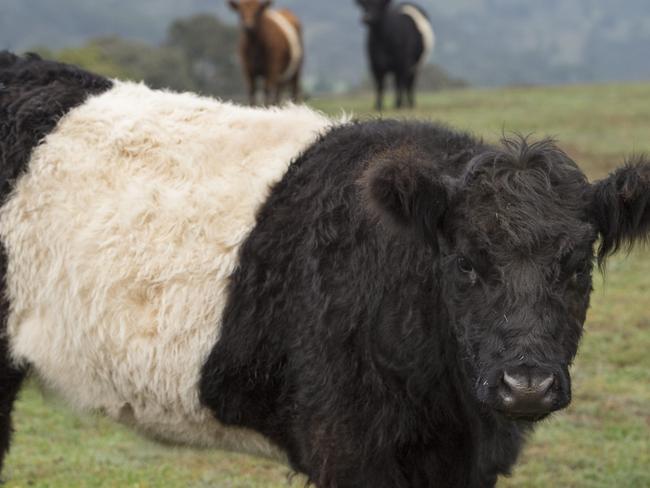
(601, 440)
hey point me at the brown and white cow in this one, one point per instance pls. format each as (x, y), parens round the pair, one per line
(271, 48)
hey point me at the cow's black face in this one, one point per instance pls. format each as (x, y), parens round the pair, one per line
(517, 254)
(514, 234)
(518, 309)
(518, 320)
(373, 10)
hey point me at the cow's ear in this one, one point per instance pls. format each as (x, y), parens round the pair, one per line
(407, 193)
(621, 207)
(234, 5)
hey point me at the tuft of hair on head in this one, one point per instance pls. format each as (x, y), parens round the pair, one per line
(406, 192)
(517, 152)
(621, 207)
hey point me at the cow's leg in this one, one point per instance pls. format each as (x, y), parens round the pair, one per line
(400, 86)
(11, 377)
(272, 88)
(277, 96)
(268, 91)
(410, 89)
(252, 89)
(295, 88)
(379, 88)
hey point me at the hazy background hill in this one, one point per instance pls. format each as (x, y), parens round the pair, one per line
(487, 42)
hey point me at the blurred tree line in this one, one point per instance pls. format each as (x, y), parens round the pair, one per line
(198, 54)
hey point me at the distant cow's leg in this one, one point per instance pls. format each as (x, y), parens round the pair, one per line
(400, 88)
(252, 89)
(11, 377)
(270, 90)
(379, 87)
(410, 90)
(277, 97)
(295, 88)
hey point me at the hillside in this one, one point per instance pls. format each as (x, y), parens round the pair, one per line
(487, 42)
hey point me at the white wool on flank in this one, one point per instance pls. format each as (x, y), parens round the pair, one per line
(120, 240)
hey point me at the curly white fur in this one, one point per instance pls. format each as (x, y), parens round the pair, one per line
(120, 239)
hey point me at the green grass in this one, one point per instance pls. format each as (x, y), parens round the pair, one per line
(596, 124)
(601, 440)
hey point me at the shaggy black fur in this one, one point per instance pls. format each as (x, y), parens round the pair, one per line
(622, 207)
(34, 95)
(392, 276)
(11, 377)
(394, 46)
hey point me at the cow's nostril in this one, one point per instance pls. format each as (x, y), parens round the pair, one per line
(527, 392)
(542, 384)
(515, 382)
(529, 383)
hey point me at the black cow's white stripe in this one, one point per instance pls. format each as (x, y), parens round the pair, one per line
(424, 28)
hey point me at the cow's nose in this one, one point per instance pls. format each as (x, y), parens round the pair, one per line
(527, 392)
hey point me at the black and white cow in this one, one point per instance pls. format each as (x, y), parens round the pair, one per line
(400, 40)
(379, 304)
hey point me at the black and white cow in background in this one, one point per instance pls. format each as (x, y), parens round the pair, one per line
(379, 304)
(400, 41)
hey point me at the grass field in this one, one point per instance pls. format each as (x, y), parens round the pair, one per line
(601, 440)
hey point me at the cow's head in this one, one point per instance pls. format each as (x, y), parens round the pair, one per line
(515, 233)
(250, 12)
(373, 10)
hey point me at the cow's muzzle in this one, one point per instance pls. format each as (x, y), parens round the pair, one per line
(531, 392)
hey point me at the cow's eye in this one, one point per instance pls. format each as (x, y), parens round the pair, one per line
(464, 265)
(580, 272)
(582, 269)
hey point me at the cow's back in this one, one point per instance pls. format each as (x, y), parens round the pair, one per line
(120, 238)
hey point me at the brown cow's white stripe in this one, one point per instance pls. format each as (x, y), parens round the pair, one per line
(293, 39)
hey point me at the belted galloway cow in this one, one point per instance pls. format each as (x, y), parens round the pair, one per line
(377, 304)
(400, 41)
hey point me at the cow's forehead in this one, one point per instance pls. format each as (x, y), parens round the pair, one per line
(249, 6)
(530, 211)
(506, 242)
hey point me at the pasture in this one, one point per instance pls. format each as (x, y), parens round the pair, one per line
(601, 440)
